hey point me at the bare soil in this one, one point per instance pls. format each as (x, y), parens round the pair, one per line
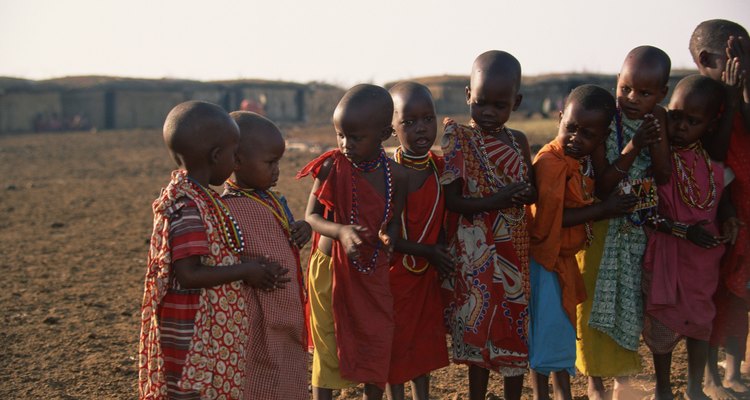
(76, 220)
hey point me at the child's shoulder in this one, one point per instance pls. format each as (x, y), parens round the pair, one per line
(519, 136)
(399, 172)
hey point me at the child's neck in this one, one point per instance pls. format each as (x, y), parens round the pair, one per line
(199, 176)
(237, 184)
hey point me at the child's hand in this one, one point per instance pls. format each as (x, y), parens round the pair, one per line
(441, 260)
(619, 203)
(301, 233)
(733, 77)
(512, 195)
(701, 237)
(349, 238)
(730, 229)
(525, 196)
(648, 133)
(265, 274)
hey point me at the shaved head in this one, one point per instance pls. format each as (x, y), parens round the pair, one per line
(649, 58)
(256, 131)
(193, 128)
(402, 92)
(369, 103)
(712, 36)
(707, 90)
(495, 64)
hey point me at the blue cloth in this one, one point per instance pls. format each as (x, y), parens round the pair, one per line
(552, 337)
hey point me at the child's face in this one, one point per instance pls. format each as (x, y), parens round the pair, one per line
(581, 131)
(689, 117)
(258, 162)
(639, 91)
(358, 138)
(415, 123)
(491, 100)
(223, 157)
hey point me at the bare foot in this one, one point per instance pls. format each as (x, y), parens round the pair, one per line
(596, 394)
(699, 395)
(628, 392)
(717, 392)
(736, 386)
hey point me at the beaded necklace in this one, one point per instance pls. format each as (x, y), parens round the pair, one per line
(409, 261)
(419, 163)
(639, 217)
(365, 167)
(267, 199)
(689, 189)
(587, 173)
(230, 231)
(517, 216)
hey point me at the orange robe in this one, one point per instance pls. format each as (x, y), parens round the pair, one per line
(560, 185)
(419, 341)
(362, 302)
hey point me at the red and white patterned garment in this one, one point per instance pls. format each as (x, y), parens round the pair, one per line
(215, 359)
(277, 345)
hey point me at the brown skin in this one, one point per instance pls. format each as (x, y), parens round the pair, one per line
(416, 128)
(203, 140)
(360, 132)
(257, 166)
(492, 96)
(641, 89)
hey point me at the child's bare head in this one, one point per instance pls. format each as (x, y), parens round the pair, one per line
(642, 81)
(362, 121)
(585, 120)
(414, 117)
(202, 136)
(708, 45)
(492, 93)
(694, 109)
(260, 150)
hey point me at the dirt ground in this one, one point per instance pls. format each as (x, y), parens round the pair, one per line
(76, 219)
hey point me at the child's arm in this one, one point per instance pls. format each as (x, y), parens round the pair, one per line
(506, 197)
(717, 144)
(739, 48)
(694, 233)
(301, 233)
(661, 157)
(192, 274)
(608, 176)
(346, 234)
(616, 204)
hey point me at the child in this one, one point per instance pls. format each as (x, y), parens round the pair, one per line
(277, 357)
(681, 264)
(419, 340)
(635, 157)
(487, 182)
(721, 51)
(355, 196)
(194, 323)
(561, 227)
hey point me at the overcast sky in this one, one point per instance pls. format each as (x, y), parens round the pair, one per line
(340, 42)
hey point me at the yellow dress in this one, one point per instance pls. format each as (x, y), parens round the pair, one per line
(325, 368)
(597, 354)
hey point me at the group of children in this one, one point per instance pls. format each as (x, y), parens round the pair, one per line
(630, 222)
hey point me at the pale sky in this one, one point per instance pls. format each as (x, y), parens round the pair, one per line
(337, 41)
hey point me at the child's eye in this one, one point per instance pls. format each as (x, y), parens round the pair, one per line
(429, 118)
(571, 128)
(645, 94)
(407, 122)
(625, 89)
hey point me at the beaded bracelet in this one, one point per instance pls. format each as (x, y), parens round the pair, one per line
(679, 229)
(618, 169)
(656, 220)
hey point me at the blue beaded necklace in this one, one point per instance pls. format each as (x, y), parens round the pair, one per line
(365, 167)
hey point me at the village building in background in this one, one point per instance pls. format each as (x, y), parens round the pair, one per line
(96, 103)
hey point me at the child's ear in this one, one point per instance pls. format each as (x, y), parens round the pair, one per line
(468, 94)
(663, 93)
(704, 59)
(517, 103)
(214, 155)
(559, 117)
